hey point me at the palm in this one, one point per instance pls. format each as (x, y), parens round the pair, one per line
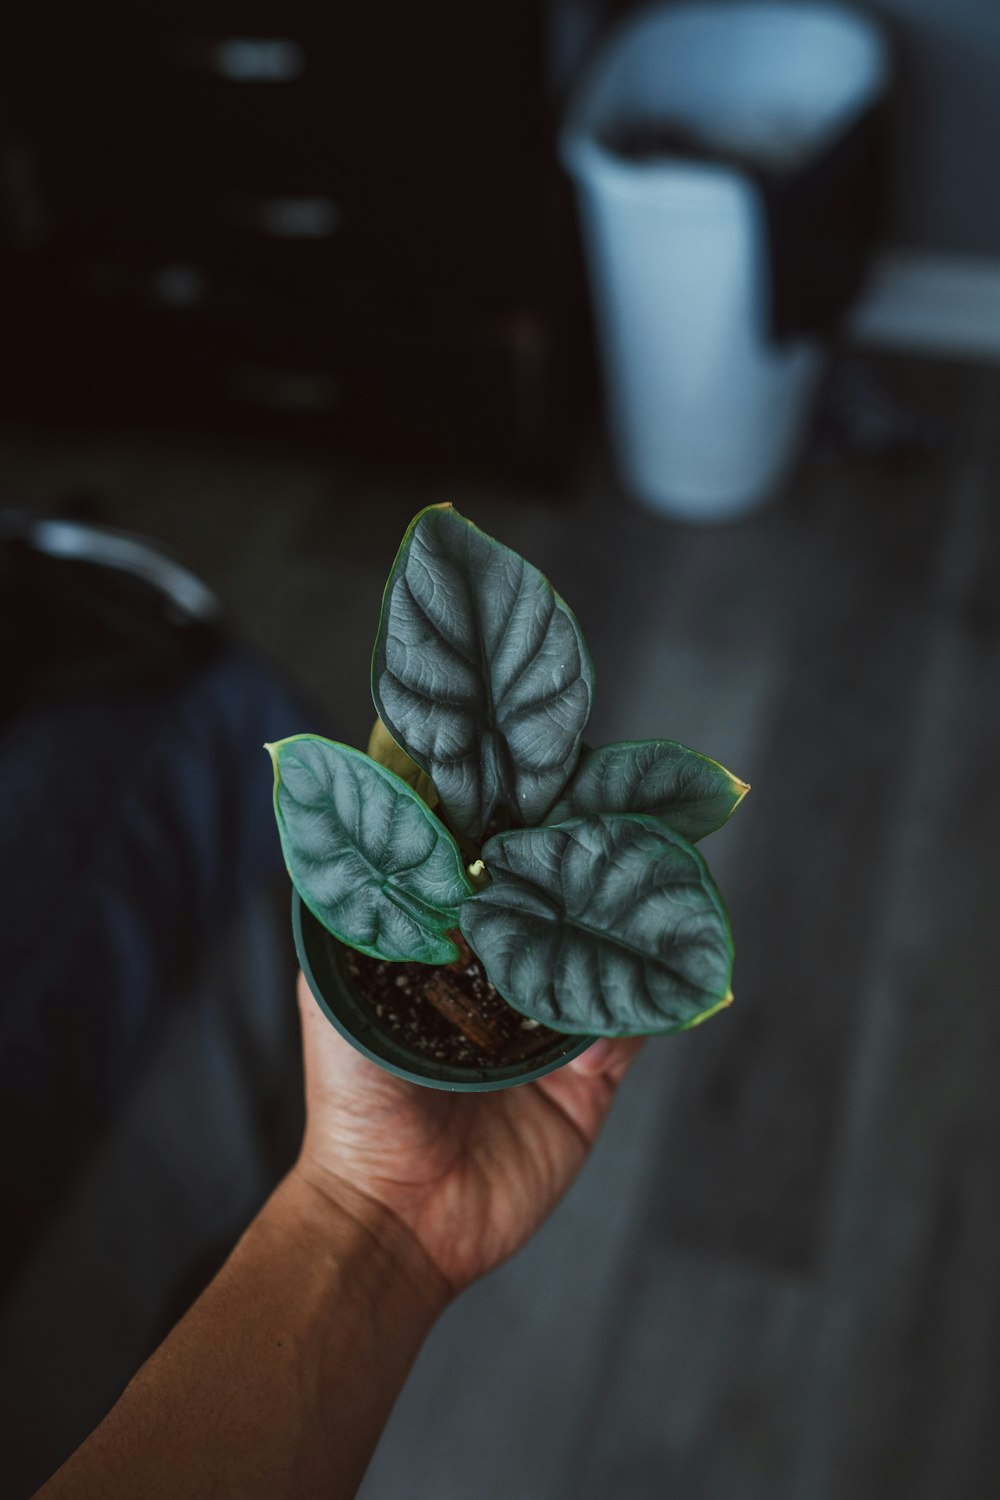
(471, 1174)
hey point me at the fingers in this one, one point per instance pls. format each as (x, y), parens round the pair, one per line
(326, 1053)
(607, 1056)
(304, 995)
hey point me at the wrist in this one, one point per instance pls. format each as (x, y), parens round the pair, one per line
(364, 1234)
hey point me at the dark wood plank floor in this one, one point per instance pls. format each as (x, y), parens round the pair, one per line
(780, 1275)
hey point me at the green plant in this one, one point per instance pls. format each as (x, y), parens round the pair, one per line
(569, 870)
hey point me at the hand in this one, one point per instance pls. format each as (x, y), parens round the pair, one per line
(471, 1176)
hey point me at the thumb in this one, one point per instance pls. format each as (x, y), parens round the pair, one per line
(611, 1057)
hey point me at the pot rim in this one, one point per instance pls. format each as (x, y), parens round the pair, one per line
(396, 1058)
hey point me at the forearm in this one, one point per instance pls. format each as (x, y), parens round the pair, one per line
(280, 1378)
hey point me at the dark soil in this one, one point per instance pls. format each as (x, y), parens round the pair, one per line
(448, 1013)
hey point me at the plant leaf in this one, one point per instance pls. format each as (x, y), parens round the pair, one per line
(692, 794)
(480, 672)
(607, 924)
(371, 862)
(383, 748)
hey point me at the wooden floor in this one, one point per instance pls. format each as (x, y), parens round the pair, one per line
(779, 1278)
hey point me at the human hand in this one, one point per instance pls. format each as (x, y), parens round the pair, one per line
(471, 1176)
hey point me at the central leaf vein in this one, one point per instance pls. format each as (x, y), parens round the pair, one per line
(608, 939)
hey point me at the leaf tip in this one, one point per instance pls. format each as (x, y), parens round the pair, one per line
(272, 750)
(437, 506)
(713, 1010)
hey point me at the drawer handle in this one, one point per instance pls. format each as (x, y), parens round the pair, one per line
(291, 218)
(244, 59)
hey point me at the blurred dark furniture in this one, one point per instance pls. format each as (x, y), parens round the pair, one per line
(337, 223)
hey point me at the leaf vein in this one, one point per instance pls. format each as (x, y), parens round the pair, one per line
(424, 695)
(602, 936)
(532, 657)
(535, 704)
(454, 646)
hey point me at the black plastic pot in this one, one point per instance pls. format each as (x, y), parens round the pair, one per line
(322, 958)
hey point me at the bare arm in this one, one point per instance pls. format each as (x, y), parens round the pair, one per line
(279, 1379)
(278, 1382)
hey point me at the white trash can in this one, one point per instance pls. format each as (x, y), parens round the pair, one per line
(707, 412)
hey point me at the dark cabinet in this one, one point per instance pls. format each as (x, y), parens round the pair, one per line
(344, 223)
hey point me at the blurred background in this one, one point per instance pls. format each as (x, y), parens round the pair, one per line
(698, 307)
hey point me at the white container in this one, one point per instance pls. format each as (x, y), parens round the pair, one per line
(707, 414)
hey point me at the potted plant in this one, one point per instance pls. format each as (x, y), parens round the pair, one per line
(480, 893)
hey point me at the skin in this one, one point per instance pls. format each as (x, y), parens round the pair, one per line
(279, 1380)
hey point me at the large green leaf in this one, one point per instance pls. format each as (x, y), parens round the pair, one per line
(480, 672)
(607, 924)
(367, 857)
(692, 794)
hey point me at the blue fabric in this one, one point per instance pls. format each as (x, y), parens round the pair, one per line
(134, 825)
